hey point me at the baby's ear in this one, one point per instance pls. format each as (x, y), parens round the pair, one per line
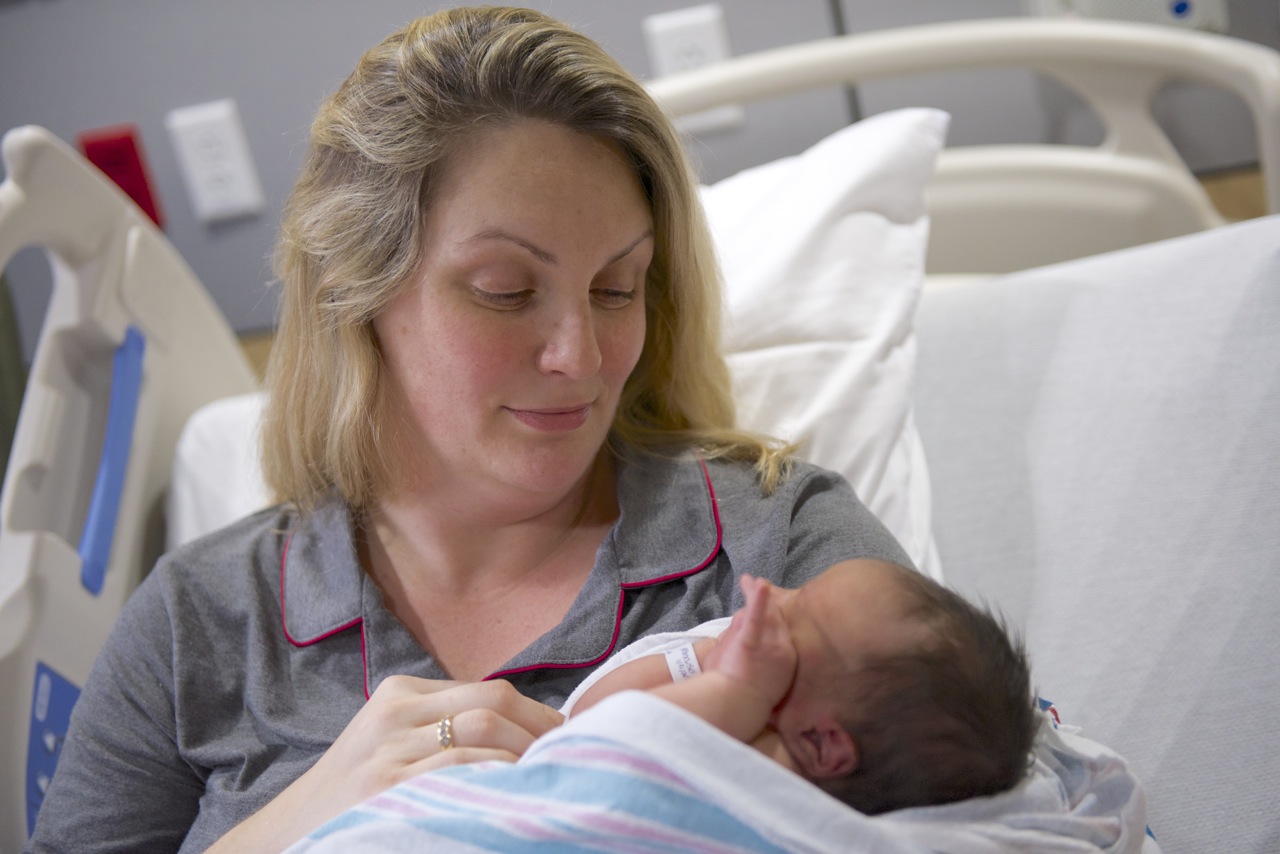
(826, 750)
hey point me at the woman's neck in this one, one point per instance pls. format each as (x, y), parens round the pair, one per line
(462, 541)
(444, 567)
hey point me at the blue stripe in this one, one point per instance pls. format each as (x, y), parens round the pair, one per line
(571, 791)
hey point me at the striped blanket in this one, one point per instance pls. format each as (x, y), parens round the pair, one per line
(636, 774)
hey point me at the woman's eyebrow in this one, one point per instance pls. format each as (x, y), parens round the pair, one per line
(543, 255)
(632, 248)
(499, 234)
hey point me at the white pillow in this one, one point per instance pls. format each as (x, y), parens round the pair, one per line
(217, 475)
(823, 260)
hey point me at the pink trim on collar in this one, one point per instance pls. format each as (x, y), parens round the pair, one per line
(715, 550)
(364, 659)
(613, 641)
(617, 619)
(635, 585)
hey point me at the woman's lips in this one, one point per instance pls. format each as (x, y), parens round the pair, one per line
(558, 420)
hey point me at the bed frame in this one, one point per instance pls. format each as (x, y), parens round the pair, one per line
(1046, 203)
(131, 345)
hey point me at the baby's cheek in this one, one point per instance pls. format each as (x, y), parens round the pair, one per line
(770, 743)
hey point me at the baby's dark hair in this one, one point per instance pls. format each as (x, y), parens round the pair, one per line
(952, 719)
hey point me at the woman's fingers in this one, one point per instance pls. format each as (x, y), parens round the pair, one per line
(458, 756)
(400, 727)
(486, 728)
(411, 702)
(495, 703)
(394, 737)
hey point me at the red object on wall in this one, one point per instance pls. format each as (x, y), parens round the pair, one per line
(117, 151)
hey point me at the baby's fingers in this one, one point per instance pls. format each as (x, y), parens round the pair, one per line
(750, 618)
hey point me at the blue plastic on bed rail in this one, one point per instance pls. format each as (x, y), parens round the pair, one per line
(51, 703)
(100, 524)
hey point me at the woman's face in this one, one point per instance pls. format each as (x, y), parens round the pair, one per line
(508, 352)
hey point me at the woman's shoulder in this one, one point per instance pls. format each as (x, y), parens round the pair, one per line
(267, 528)
(683, 466)
(798, 474)
(198, 597)
(810, 520)
(678, 485)
(223, 566)
(738, 486)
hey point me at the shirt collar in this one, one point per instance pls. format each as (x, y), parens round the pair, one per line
(668, 527)
(669, 524)
(321, 580)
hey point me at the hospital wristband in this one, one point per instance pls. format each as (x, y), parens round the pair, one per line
(682, 662)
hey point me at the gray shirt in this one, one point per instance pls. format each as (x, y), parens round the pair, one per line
(243, 656)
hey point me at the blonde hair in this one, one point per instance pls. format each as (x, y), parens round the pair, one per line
(351, 240)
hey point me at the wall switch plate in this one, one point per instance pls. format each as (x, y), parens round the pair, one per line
(213, 154)
(688, 38)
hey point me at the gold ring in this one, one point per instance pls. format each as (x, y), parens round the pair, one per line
(444, 732)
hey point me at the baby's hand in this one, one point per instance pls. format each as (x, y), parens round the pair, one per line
(757, 649)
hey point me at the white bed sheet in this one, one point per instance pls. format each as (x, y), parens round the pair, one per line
(1104, 447)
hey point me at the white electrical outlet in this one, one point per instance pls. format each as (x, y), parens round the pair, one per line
(685, 39)
(213, 155)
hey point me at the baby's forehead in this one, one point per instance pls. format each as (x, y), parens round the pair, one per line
(861, 580)
(862, 606)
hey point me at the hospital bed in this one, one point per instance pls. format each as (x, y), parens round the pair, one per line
(1083, 428)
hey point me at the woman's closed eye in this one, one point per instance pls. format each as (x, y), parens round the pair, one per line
(504, 300)
(613, 297)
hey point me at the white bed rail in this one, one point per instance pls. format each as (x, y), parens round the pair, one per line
(131, 345)
(1047, 202)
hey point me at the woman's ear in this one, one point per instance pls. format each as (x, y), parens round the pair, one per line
(826, 750)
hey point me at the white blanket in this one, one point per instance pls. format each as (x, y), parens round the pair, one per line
(636, 774)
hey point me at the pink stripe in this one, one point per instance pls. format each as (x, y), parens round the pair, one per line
(617, 619)
(364, 657)
(284, 622)
(613, 641)
(524, 814)
(597, 756)
(622, 832)
(647, 835)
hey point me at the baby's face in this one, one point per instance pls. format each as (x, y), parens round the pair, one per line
(853, 609)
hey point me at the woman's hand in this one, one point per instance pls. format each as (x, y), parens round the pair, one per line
(394, 737)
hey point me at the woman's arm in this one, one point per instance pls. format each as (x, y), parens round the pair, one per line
(121, 782)
(134, 774)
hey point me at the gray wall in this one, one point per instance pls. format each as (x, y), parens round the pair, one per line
(73, 66)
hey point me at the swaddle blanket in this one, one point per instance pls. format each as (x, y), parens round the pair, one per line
(637, 774)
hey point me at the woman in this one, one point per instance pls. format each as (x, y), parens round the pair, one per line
(501, 433)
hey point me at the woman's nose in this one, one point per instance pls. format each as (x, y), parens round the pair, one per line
(571, 346)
